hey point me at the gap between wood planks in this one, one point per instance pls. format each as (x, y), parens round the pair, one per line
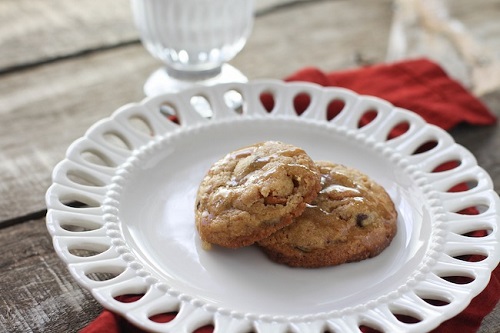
(34, 216)
(258, 13)
(22, 219)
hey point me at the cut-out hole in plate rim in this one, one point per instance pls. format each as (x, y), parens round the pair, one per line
(148, 219)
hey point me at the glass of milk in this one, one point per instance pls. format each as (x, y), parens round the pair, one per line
(194, 39)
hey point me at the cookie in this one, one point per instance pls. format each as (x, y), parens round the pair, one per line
(253, 192)
(352, 218)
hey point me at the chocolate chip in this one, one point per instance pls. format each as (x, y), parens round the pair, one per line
(360, 218)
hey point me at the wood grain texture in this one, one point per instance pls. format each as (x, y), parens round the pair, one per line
(37, 294)
(49, 108)
(41, 31)
(34, 31)
(285, 41)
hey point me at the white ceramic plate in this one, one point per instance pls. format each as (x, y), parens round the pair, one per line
(136, 173)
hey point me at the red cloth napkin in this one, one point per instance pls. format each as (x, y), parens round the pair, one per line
(417, 85)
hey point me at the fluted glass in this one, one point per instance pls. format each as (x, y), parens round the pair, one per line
(193, 38)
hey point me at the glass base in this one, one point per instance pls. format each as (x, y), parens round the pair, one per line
(160, 82)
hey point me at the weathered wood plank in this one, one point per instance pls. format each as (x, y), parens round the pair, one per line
(44, 109)
(284, 41)
(37, 294)
(33, 31)
(38, 31)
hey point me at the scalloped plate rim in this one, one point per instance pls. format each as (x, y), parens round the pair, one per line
(277, 85)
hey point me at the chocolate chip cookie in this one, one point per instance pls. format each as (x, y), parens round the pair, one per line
(352, 218)
(253, 192)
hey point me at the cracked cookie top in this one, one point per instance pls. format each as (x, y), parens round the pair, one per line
(254, 191)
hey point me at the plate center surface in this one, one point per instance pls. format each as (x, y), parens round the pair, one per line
(156, 212)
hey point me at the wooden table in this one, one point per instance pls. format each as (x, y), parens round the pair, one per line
(66, 64)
